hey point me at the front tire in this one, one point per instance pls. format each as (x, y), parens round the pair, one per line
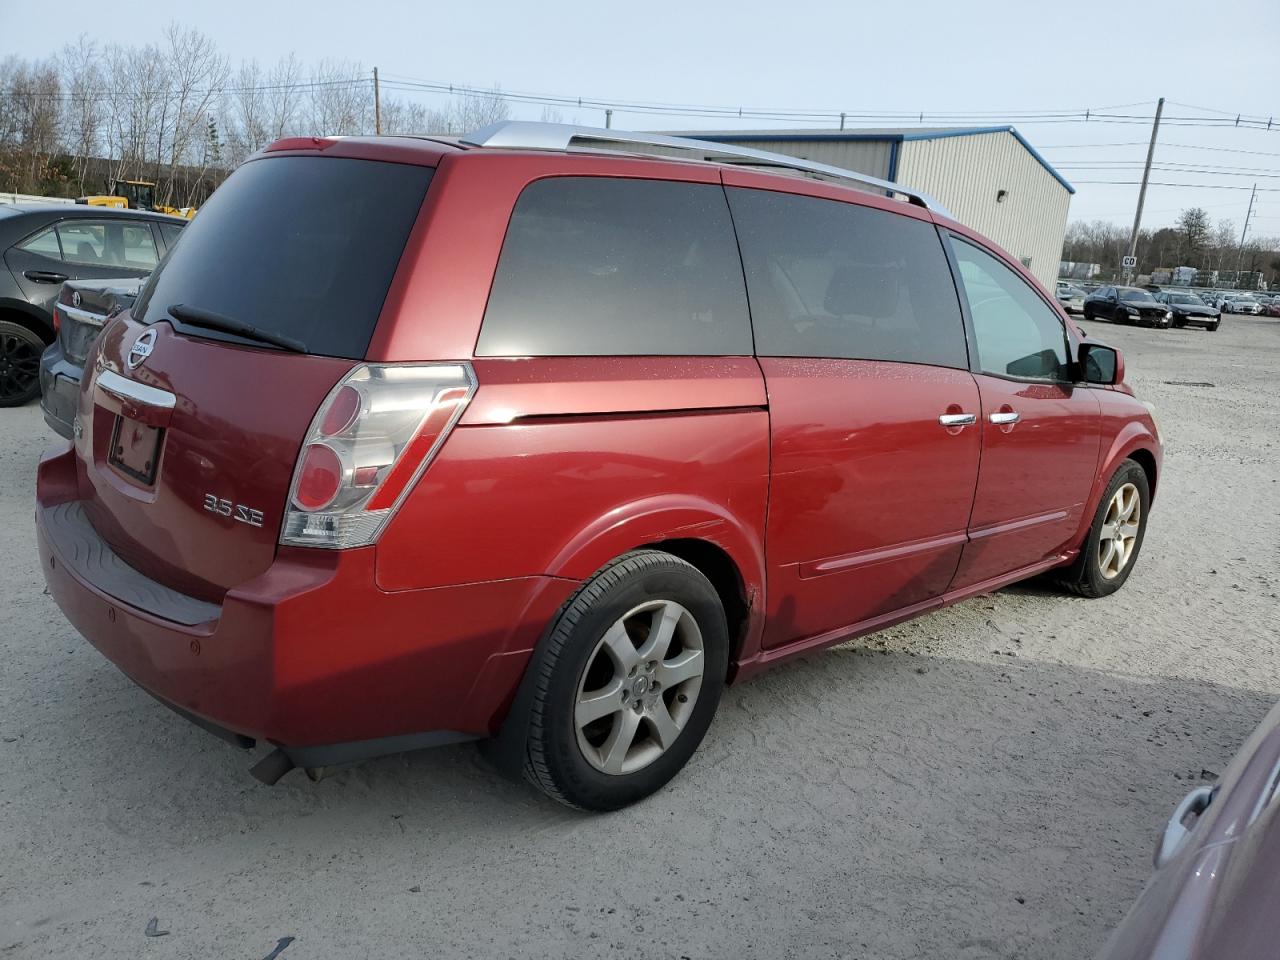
(633, 673)
(1115, 537)
(20, 350)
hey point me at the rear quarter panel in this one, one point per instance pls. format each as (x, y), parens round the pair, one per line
(561, 464)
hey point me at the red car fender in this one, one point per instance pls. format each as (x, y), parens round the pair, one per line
(668, 517)
(1134, 435)
(647, 521)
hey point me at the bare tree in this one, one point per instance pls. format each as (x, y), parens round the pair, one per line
(1223, 242)
(245, 113)
(197, 74)
(282, 97)
(29, 122)
(341, 100)
(474, 110)
(84, 114)
(175, 113)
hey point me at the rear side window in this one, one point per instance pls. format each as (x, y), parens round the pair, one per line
(84, 242)
(1017, 333)
(171, 232)
(833, 279)
(595, 266)
(138, 246)
(45, 243)
(300, 246)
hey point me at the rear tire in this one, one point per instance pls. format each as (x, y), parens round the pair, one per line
(20, 350)
(1115, 537)
(631, 678)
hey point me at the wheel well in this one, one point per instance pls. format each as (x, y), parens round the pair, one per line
(1147, 461)
(718, 567)
(33, 323)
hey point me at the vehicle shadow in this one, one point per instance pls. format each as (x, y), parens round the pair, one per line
(855, 802)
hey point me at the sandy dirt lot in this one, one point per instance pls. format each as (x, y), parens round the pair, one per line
(987, 781)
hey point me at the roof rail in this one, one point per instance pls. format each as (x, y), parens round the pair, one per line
(530, 135)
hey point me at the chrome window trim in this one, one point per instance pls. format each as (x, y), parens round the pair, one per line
(531, 135)
(111, 382)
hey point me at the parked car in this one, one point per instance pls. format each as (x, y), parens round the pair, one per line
(44, 244)
(1214, 890)
(1190, 311)
(1272, 308)
(82, 308)
(1245, 305)
(545, 445)
(1127, 305)
(1071, 298)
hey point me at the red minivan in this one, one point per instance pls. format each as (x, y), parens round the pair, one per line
(543, 436)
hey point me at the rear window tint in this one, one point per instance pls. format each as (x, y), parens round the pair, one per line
(170, 232)
(300, 246)
(596, 266)
(45, 242)
(834, 279)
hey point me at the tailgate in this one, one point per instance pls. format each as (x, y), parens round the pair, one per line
(187, 458)
(84, 306)
(200, 396)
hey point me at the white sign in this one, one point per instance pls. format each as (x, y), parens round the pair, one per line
(1128, 262)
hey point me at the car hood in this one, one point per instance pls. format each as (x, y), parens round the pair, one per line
(1195, 311)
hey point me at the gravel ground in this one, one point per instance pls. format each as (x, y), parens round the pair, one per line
(987, 781)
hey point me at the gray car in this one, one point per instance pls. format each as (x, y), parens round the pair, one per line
(44, 244)
(82, 309)
(1216, 887)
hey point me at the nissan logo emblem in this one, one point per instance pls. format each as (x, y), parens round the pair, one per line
(141, 349)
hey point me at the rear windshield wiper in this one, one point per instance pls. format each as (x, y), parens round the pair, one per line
(216, 321)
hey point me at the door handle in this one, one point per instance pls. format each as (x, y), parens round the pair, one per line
(44, 276)
(958, 419)
(1005, 417)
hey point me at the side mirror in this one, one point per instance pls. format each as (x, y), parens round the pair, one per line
(1101, 364)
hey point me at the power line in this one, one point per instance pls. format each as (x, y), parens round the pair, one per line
(404, 84)
(1211, 171)
(1196, 186)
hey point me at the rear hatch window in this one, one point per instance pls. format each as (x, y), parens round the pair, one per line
(299, 247)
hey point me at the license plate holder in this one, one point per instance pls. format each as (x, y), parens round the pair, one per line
(135, 449)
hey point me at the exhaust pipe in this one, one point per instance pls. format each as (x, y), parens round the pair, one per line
(272, 767)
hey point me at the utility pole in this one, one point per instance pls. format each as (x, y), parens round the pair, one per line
(608, 119)
(377, 104)
(842, 116)
(1240, 255)
(1142, 191)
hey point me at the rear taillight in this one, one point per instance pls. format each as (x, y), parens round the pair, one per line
(368, 443)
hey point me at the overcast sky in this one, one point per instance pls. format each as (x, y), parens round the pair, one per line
(930, 56)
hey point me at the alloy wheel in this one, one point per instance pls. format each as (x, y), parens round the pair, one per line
(19, 365)
(1119, 533)
(639, 687)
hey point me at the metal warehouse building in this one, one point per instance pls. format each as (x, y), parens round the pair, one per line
(990, 178)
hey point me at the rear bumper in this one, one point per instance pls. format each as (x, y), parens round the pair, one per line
(311, 655)
(59, 389)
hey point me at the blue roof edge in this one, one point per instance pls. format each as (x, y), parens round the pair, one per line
(1006, 128)
(730, 136)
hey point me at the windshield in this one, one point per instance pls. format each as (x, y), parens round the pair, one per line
(298, 247)
(1139, 295)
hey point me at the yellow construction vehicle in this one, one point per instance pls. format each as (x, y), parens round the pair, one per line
(136, 195)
